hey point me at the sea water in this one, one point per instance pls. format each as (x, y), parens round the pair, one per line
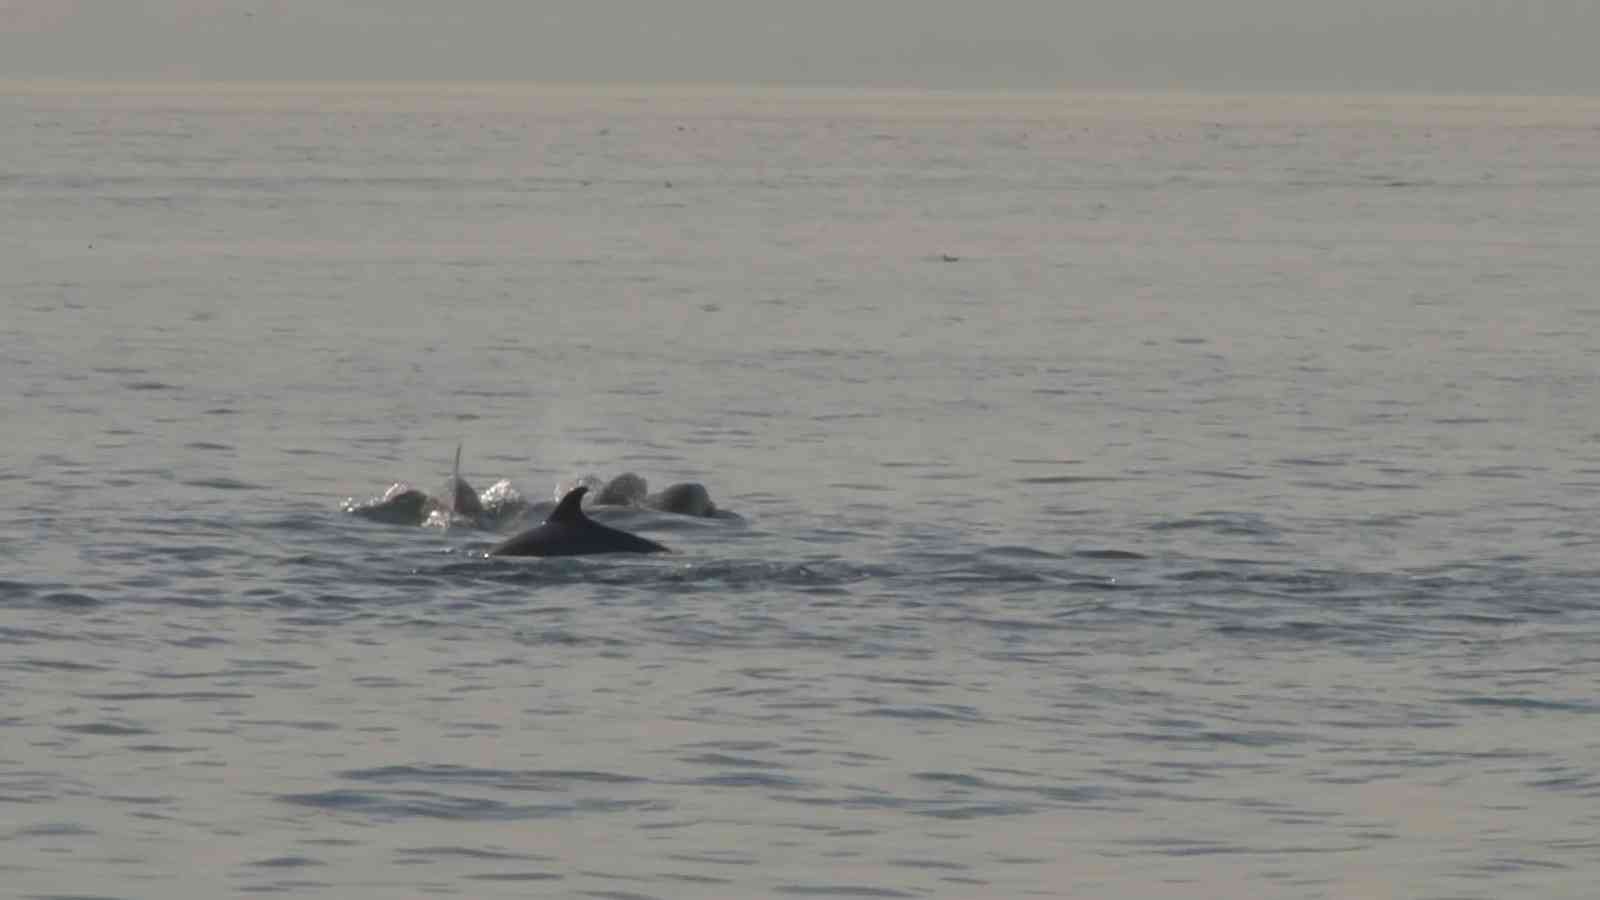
(1144, 496)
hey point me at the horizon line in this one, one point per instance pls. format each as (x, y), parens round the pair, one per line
(270, 86)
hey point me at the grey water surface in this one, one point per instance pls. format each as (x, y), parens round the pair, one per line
(1140, 496)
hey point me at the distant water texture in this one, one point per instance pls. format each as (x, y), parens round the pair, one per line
(1137, 496)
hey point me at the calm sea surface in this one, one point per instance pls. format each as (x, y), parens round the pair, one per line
(1146, 497)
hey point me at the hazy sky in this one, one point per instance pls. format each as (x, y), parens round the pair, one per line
(1474, 46)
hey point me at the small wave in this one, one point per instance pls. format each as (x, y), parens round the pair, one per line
(420, 804)
(471, 853)
(957, 779)
(650, 572)
(978, 811)
(70, 600)
(723, 759)
(49, 665)
(1499, 472)
(750, 779)
(57, 829)
(1311, 461)
(1316, 632)
(181, 696)
(106, 729)
(1239, 738)
(222, 484)
(1530, 704)
(16, 590)
(840, 890)
(563, 638)
(860, 486)
(1225, 523)
(1017, 551)
(927, 713)
(1109, 554)
(537, 779)
(1223, 473)
(286, 862)
(931, 864)
(905, 681)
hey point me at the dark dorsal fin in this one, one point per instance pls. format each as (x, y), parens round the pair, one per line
(570, 509)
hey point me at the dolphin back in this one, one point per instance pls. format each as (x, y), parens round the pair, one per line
(569, 532)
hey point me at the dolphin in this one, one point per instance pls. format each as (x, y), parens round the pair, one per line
(568, 532)
(689, 498)
(401, 504)
(626, 489)
(463, 499)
